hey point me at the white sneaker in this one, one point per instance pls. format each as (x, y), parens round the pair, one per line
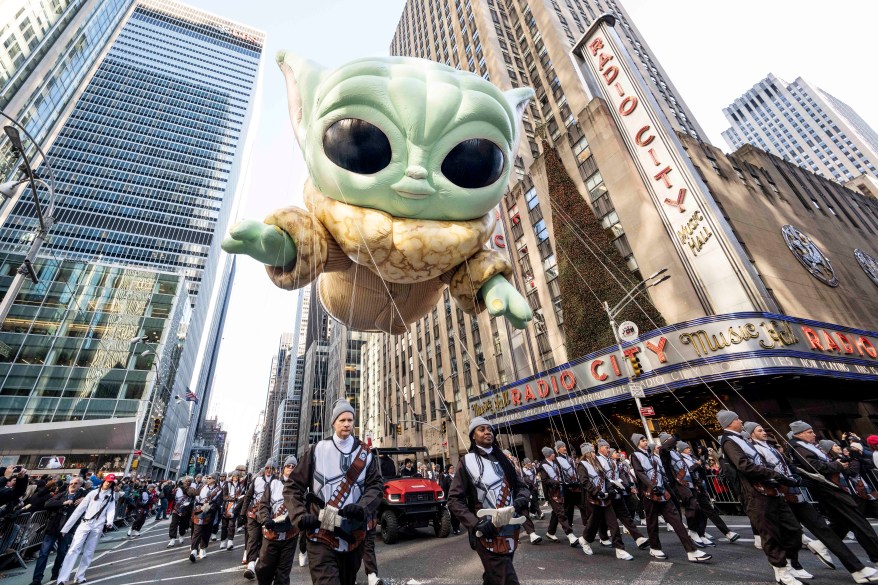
(535, 538)
(622, 555)
(202, 553)
(606, 543)
(707, 536)
(698, 556)
(136, 533)
(229, 545)
(642, 542)
(130, 530)
(222, 545)
(643, 522)
(214, 537)
(193, 556)
(586, 548)
(657, 554)
(303, 559)
(865, 575)
(669, 528)
(250, 571)
(732, 536)
(552, 537)
(821, 552)
(695, 538)
(179, 540)
(783, 576)
(800, 573)
(172, 542)
(574, 542)
(757, 541)
(373, 579)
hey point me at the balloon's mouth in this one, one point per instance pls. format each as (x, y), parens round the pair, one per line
(410, 195)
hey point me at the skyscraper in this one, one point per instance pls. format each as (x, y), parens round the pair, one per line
(804, 125)
(149, 161)
(278, 381)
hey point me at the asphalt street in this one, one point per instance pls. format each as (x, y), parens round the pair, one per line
(422, 559)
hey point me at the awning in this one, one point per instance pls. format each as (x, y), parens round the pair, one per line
(113, 435)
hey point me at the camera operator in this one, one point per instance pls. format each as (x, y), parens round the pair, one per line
(863, 493)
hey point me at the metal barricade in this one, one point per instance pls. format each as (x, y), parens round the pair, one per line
(723, 496)
(22, 533)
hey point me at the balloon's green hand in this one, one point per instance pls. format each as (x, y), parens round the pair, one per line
(266, 243)
(501, 298)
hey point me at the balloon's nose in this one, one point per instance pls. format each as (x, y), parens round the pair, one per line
(416, 172)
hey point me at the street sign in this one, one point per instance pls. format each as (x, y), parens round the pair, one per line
(647, 411)
(138, 452)
(636, 390)
(628, 331)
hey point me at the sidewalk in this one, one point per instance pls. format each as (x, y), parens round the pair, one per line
(109, 541)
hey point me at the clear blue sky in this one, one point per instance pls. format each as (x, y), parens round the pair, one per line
(711, 50)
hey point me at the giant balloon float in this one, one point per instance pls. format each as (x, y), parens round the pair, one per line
(407, 159)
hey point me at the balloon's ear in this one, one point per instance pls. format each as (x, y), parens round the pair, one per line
(517, 99)
(302, 77)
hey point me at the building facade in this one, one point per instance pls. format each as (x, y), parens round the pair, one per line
(343, 372)
(73, 383)
(804, 125)
(148, 160)
(315, 373)
(278, 383)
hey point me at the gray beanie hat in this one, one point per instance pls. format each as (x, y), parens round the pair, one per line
(664, 437)
(602, 442)
(525, 460)
(270, 463)
(548, 451)
(291, 460)
(682, 446)
(478, 421)
(799, 426)
(214, 476)
(726, 417)
(636, 438)
(826, 445)
(586, 448)
(750, 426)
(341, 406)
(559, 444)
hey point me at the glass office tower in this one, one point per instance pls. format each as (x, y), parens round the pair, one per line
(148, 165)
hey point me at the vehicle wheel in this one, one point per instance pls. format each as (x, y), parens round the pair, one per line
(442, 524)
(390, 527)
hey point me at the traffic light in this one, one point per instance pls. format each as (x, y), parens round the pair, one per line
(443, 427)
(399, 430)
(156, 425)
(636, 369)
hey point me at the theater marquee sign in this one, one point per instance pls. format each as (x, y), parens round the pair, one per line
(704, 350)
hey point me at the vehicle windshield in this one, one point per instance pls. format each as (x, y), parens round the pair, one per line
(407, 464)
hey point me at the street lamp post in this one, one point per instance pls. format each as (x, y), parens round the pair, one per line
(150, 401)
(26, 270)
(612, 313)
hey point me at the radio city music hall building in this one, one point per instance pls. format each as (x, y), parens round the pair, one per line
(771, 305)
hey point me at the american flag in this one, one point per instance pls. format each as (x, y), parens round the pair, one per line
(191, 396)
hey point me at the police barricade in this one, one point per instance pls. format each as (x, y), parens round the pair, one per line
(124, 514)
(722, 495)
(23, 533)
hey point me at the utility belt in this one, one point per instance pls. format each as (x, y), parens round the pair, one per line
(251, 511)
(573, 488)
(768, 489)
(792, 495)
(275, 535)
(229, 509)
(666, 495)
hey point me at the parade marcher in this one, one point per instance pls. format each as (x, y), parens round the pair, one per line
(218, 517)
(330, 495)
(445, 483)
(830, 488)
(759, 484)
(550, 475)
(180, 515)
(573, 496)
(143, 503)
(253, 531)
(233, 496)
(805, 513)
(97, 510)
(598, 497)
(487, 479)
(279, 537)
(205, 506)
(702, 497)
(61, 506)
(684, 486)
(529, 475)
(528, 525)
(652, 480)
(860, 489)
(619, 489)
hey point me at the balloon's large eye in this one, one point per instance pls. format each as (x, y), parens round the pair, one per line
(473, 163)
(357, 146)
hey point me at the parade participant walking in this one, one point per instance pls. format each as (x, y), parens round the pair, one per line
(705, 505)
(61, 506)
(445, 484)
(206, 504)
(805, 513)
(573, 496)
(528, 525)
(233, 496)
(278, 549)
(550, 475)
(330, 495)
(253, 531)
(764, 504)
(696, 521)
(529, 475)
(180, 515)
(831, 490)
(143, 503)
(97, 510)
(599, 502)
(487, 479)
(652, 481)
(618, 489)
(861, 491)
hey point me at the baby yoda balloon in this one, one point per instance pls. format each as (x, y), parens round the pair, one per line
(407, 159)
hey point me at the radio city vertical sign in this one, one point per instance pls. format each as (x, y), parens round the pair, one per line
(719, 270)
